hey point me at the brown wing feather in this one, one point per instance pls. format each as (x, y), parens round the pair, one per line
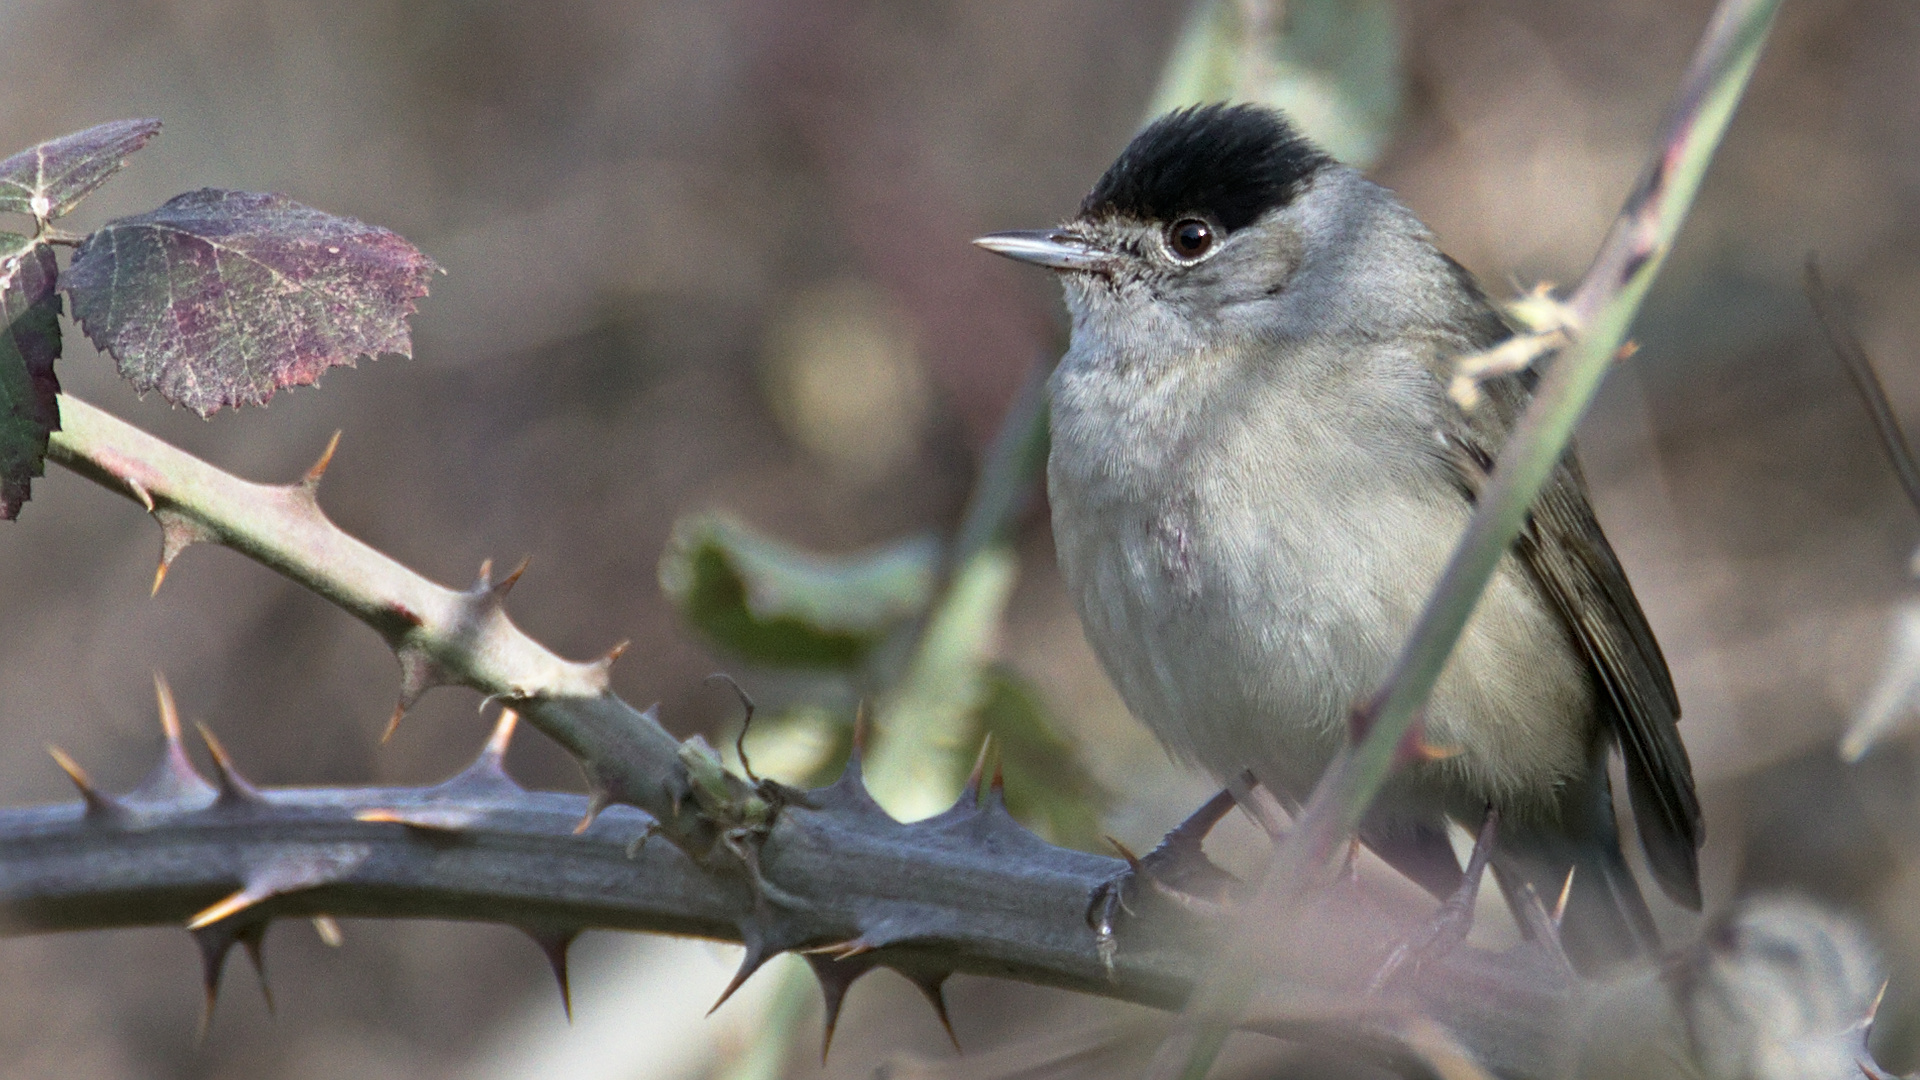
(1570, 557)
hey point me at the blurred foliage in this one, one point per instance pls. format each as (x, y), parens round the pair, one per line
(925, 738)
(774, 605)
(818, 611)
(1333, 66)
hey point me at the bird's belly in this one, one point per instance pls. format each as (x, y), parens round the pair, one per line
(1243, 632)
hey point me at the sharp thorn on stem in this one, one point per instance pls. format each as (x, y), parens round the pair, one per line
(970, 794)
(1560, 905)
(253, 939)
(311, 481)
(934, 987)
(750, 963)
(554, 944)
(234, 788)
(597, 800)
(503, 728)
(507, 583)
(99, 805)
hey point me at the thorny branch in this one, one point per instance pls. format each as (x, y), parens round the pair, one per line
(440, 635)
(966, 891)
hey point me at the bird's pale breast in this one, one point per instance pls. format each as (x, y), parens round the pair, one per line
(1246, 571)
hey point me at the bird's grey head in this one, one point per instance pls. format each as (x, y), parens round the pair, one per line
(1221, 224)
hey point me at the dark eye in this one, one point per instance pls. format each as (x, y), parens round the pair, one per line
(1189, 238)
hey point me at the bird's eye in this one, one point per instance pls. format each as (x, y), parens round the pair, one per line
(1189, 238)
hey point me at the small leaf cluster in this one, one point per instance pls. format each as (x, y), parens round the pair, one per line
(216, 298)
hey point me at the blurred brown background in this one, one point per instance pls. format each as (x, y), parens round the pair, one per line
(652, 214)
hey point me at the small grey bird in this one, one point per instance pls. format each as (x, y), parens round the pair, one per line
(1257, 476)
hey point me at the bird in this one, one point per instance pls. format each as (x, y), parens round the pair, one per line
(1256, 476)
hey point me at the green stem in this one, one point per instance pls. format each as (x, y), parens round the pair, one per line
(442, 635)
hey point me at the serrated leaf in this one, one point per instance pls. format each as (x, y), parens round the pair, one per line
(222, 297)
(29, 344)
(51, 179)
(769, 603)
(1048, 788)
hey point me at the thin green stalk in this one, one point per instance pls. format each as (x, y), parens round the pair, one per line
(1604, 307)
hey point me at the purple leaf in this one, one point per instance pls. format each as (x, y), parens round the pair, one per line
(52, 178)
(29, 344)
(222, 297)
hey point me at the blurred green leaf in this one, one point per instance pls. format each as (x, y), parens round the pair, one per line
(1333, 66)
(925, 734)
(769, 603)
(1048, 789)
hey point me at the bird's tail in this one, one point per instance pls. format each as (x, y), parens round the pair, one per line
(1606, 921)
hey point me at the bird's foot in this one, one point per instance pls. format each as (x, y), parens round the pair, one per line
(1177, 869)
(1449, 926)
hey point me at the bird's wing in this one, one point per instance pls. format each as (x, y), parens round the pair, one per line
(1568, 554)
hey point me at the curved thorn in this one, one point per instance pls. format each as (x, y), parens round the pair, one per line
(169, 709)
(213, 947)
(483, 581)
(835, 979)
(934, 987)
(311, 480)
(1566, 891)
(418, 674)
(553, 945)
(173, 780)
(253, 939)
(233, 787)
(1133, 861)
(140, 492)
(749, 964)
(597, 800)
(178, 532)
(506, 584)
(971, 792)
(99, 805)
(607, 659)
(496, 748)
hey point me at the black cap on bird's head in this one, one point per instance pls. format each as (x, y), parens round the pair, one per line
(1228, 163)
(1224, 165)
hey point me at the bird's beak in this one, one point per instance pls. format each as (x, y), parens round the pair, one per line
(1056, 249)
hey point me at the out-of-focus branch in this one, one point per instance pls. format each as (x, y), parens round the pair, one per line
(1602, 309)
(1894, 693)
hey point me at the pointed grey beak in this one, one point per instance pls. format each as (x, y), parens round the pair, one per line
(1056, 249)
